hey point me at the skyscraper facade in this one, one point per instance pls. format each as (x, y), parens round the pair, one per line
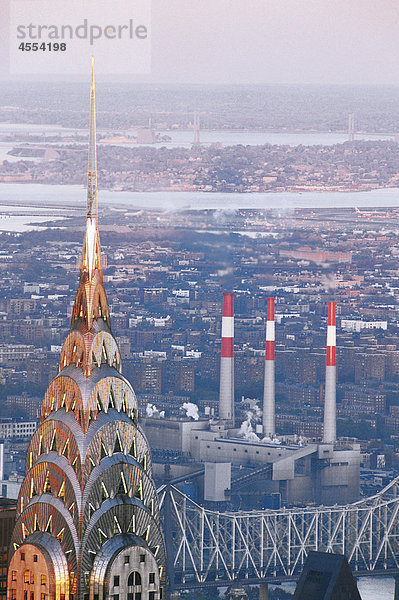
(88, 523)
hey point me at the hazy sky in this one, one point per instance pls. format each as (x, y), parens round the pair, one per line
(266, 41)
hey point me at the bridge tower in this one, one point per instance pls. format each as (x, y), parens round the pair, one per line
(351, 127)
(196, 127)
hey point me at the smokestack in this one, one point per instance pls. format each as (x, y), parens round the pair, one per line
(329, 436)
(269, 424)
(226, 394)
(1, 461)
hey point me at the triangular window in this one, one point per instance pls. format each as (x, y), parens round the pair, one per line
(91, 510)
(139, 491)
(132, 525)
(111, 399)
(132, 450)
(36, 526)
(117, 527)
(65, 451)
(124, 404)
(49, 526)
(104, 358)
(92, 464)
(53, 446)
(104, 492)
(118, 443)
(146, 533)
(47, 486)
(103, 536)
(33, 491)
(61, 493)
(122, 488)
(103, 451)
(60, 535)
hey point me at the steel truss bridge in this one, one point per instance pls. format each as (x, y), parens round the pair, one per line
(208, 548)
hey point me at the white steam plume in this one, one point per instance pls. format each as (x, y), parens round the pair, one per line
(152, 411)
(191, 410)
(246, 430)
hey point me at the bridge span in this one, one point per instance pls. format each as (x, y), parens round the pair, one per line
(209, 548)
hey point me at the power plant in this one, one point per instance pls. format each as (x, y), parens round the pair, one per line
(265, 470)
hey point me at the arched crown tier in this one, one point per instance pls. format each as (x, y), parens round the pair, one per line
(106, 388)
(89, 350)
(91, 300)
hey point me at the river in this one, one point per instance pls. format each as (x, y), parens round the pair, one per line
(370, 588)
(19, 195)
(47, 202)
(184, 138)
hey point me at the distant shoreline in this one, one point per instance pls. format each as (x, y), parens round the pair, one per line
(290, 190)
(74, 197)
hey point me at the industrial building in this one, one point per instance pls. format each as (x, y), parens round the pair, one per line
(257, 471)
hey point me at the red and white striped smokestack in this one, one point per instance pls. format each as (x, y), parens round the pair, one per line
(226, 393)
(330, 435)
(269, 421)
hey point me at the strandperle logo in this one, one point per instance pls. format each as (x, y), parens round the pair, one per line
(59, 37)
(85, 31)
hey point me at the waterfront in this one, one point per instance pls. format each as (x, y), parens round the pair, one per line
(184, 138)
(20, 215)
(21, 223)
(317, 167)
(255, 138)
(50, 197)
(370, 588)
(376, 588)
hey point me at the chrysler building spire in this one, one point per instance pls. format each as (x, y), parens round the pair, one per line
(91, 257)
(91, 301)
(88, 522)
(92, 163)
